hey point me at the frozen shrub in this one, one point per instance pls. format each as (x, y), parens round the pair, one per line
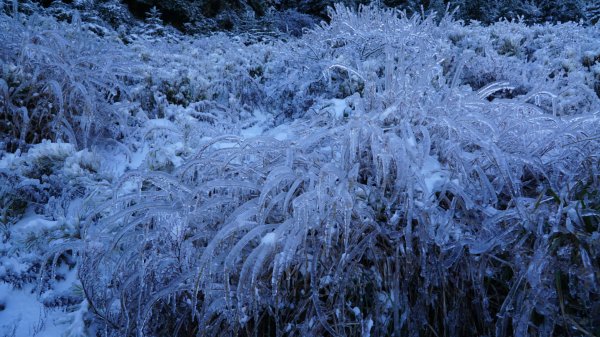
(217, 75)
(544, 65)
(290, 21)
(58, 82)
(40, 194)
(48, 171)
(398, 200)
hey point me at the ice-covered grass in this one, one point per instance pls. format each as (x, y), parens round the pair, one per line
(59, 81)
(380, 175)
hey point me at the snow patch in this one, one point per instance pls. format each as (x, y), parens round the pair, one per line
(33, 224)
(281, 133)
(433, 175)
(258, 124)
(25, 316)
(336, 107)
(269, 239)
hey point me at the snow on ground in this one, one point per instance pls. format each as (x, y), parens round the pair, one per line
(23, 315)
(259, 123)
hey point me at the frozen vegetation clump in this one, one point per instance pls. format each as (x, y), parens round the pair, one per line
(379, 175)
(60, 82)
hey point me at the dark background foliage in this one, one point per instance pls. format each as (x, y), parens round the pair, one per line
(189, 15)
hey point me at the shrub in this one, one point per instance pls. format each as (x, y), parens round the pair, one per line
(58, 82)
(406, 202)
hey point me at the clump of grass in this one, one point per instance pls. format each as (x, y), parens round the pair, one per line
(424, 208)
(59, 82)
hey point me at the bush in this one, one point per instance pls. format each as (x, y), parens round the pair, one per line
(61, 83)
(416, 193)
